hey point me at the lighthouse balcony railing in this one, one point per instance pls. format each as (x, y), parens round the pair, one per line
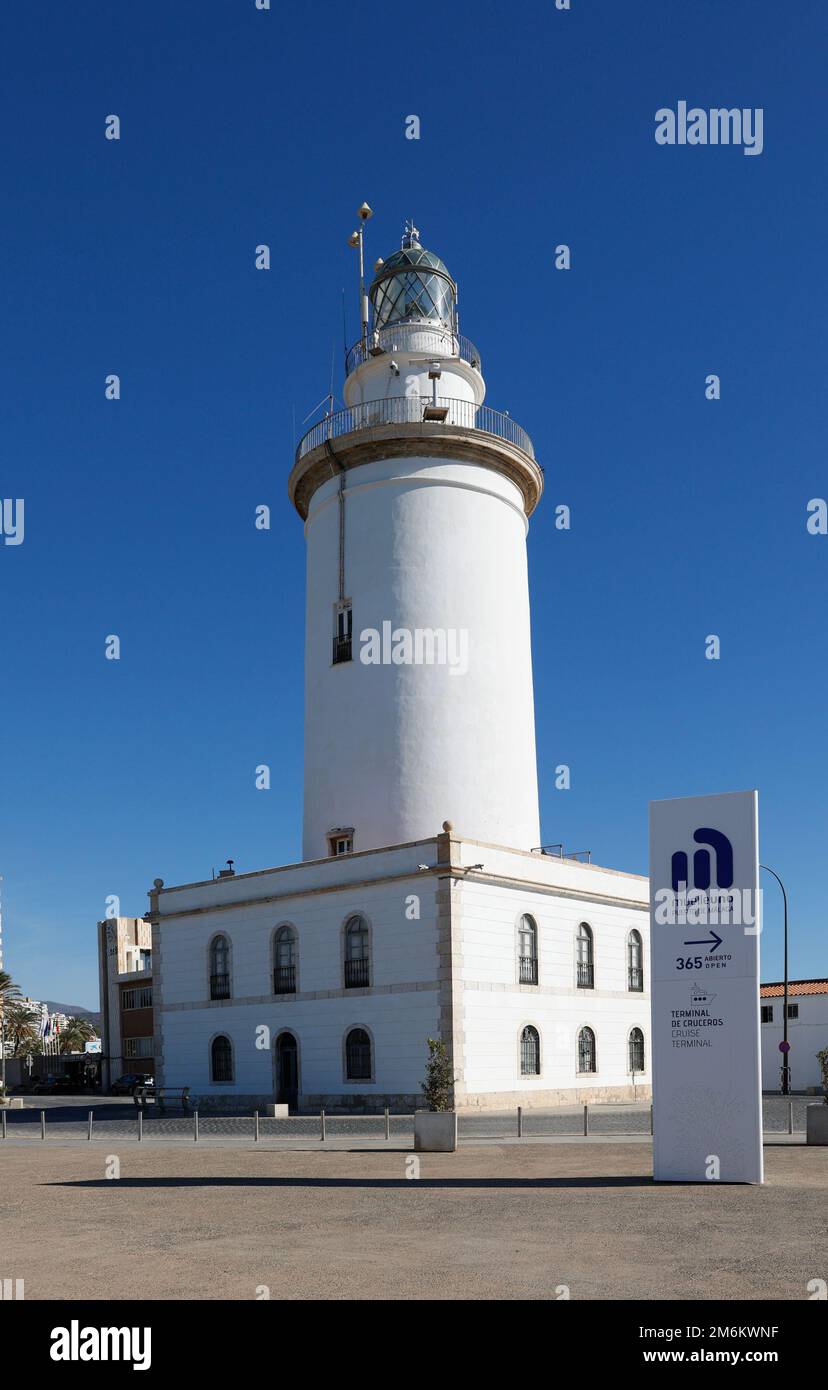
(410, 410)
(413, 337)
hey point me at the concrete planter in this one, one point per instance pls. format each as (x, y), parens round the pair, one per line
(817, 1123)
(435, 1131)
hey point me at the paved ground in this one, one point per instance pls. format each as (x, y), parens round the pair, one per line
(489, 1222)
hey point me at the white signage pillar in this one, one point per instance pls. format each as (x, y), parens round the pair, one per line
(704, 930)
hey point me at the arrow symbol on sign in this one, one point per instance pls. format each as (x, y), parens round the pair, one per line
(712, 941)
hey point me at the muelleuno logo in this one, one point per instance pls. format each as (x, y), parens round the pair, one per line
(723, 850)
(688, 903)
(76, 1343)
(719, 126)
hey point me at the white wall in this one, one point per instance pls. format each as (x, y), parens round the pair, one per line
(807, 1035)
(495, 1008)
(396, 750)
(404, 956)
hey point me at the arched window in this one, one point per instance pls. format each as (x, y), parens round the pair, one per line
(530, 1051)
(635, 961)
(586, 1050)
(358, 1055)
(219, 968)
(527, 951)
(284, 961)
(357, 949)
(584, 958)
(636, 1045)
(221, 1059)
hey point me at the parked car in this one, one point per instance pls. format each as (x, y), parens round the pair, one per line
(127, 1084)
(49, 1086)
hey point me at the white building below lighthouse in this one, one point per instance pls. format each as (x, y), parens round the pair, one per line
(424, 905)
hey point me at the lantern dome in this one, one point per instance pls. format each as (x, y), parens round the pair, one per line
(413, 286)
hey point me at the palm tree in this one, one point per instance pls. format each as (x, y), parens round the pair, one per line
(74, 1034)
(22, 1024)
(9, 993)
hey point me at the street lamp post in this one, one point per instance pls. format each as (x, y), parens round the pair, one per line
(786, 1074)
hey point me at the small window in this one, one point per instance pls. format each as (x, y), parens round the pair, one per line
(221, 1059)
(357, 974)
(793, 1011)
(139, 1047)
(358, 1055)
(527, 951)
(636, 1047)
(341, 842)
(284, 961)
(585, 963)
(635, 962)
(767, 1013)
(586, 1051)
(220, 968)
(343, 630)
(530, 1052)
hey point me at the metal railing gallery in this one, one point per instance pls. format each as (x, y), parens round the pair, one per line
(414, 337)
(410, 410)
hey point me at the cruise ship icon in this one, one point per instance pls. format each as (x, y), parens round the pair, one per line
(701, 995)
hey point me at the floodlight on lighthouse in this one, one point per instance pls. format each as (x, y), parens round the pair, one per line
(435, 411)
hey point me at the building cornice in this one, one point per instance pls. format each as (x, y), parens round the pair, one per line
(415, 439)
(459, 872)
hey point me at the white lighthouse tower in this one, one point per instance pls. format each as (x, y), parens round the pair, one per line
(423, 906)
(416, 500)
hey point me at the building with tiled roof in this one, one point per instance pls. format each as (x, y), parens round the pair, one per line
(807, 1032)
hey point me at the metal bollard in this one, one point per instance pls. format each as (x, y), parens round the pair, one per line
(89, 1124)
(387, 1124)
(790, 1117)
(195, 1126)
(520, 1122)
(140, 1125)
(652, 1130)
(322, 1119)
(43, 1124)
(586, 1119)
(256, 1126)
(4, 1124)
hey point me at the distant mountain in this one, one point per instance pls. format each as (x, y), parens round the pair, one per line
(73, 1011)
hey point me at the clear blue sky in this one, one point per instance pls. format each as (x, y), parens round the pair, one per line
(241, 127)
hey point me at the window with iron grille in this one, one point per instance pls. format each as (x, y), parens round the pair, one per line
(137, 998)
(584, 961)
(139, 1047)
(527, 951)
(793, 1011)
(586, 1050)
(358, 1055)
(284, 961)
(219, 968)
(221, 1059)
(343, 631)
(767, 1013)
(636, 1045)
(635, 961)
(530, 1052)
(357, 973)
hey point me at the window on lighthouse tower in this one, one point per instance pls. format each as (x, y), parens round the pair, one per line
(343, 628)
